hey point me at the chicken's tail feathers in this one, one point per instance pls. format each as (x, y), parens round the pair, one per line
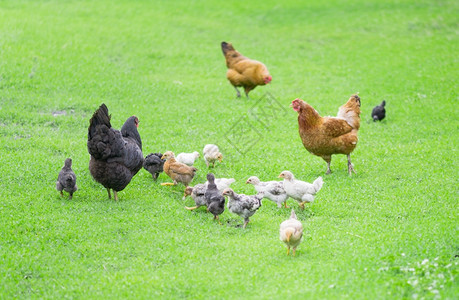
(100, 117)
(318, 183)
(383, 103)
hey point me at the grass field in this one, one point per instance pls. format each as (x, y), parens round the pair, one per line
(388, 232)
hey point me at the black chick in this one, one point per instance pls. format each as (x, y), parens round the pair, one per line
(214, 199)
(66, 181)
(154, 164)
(379, 112)
(116, 156)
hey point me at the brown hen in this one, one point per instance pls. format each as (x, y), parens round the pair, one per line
(325, 136)
(243, 71)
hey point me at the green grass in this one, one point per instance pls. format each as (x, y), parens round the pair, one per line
(389, 232)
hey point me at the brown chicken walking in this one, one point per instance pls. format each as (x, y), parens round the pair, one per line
(325, 136)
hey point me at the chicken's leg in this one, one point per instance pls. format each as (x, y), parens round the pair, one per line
(246, 221)
(116, 195)
(294, 250)
(285, 204)
(328, 160)
(109, 195)
(237, 91)
(70, 196)
(350, 168)
(288, 250)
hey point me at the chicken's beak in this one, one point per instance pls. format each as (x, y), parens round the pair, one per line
(291, 105)
(162, 157)
(247, 182)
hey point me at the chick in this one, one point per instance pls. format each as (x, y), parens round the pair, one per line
(291, 232)
(154, 164)
(187, 158)
(66, 181)
(222, 183)
(301, 191)
(379, 112)
(243, 205)
(197, 193)
(211, 154)
(214, 199)
(177, 171)
(273, 190)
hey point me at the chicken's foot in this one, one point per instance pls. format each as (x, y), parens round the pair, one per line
(167, 183)
(191, 208)
(350, 168)
(285, 205)
(288, 250)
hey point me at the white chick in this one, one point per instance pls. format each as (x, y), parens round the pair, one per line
(273, 190)
(187, 158)
(211, 154)
(301, 191)
(291, 232)
(222, 183)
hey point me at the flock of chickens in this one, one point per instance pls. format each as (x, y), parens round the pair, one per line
(116, 155)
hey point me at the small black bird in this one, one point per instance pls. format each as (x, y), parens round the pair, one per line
(214, 199)
(154, 164)
(67, 179)
(379, 112)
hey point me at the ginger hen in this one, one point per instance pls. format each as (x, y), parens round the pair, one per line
(243, 71)
(325, 136)
(116, 156)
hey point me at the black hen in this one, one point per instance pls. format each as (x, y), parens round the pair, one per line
(154, 164)
(379, 112)
(66, 181)
(214, 199)
(115, 156)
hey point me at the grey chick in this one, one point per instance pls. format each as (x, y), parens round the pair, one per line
(242, 205)
(379, 112)
(66, 181)
(214, 199)
(197, 193)
(154, 164)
